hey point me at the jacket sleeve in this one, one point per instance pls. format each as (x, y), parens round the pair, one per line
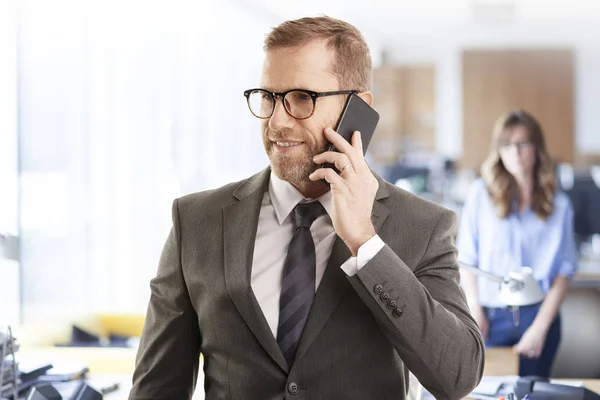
(425, 314)
(168, 356)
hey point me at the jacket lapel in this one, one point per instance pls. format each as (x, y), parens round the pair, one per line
(240, 221)
(335, 282)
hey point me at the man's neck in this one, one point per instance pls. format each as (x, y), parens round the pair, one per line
(311, 189)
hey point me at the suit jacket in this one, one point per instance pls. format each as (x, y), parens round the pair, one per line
(404, 310)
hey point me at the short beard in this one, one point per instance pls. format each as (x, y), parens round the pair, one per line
(293, 169)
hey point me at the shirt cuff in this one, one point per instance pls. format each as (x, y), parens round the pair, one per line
(365, 253)
(567, 269)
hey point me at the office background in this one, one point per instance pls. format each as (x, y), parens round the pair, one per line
(111, 109)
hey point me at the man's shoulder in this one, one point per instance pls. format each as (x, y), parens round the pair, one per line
(222, 196)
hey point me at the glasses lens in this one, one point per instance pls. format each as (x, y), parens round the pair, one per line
(299, 104)
(261, 103)
(518, 145)
(523, 145)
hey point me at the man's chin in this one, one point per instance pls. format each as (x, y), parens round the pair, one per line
(293, 173)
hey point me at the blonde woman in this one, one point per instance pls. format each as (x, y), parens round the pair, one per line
(515, 217)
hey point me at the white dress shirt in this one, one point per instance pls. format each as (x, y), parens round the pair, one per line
(275, 231)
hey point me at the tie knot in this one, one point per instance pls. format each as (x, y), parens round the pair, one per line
(304, 214)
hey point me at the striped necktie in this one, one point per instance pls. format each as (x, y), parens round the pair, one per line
(298, 286)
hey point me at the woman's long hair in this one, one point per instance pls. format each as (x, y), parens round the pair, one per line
(502, 186)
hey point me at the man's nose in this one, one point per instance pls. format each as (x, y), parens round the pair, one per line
(280, 118)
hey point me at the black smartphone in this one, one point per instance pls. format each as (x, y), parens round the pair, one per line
(357, 115)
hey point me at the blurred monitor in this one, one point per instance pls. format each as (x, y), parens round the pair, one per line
(418, 176)
(585, 197)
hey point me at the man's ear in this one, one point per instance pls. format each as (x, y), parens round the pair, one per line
(367, 97)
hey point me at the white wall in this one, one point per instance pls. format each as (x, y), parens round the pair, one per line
(8, 118)
(443, 47)
(581, 37)
(125, 106)
(587, 96)
(9, 189)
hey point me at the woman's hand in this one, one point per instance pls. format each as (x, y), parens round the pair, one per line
(532, 342)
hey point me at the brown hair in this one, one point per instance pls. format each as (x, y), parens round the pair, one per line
(502, 186)
(352, 60)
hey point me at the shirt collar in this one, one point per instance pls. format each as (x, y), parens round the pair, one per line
(284, 197)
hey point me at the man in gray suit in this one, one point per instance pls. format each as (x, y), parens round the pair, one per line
(303, 282)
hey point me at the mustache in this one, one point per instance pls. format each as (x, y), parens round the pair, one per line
(285, 133)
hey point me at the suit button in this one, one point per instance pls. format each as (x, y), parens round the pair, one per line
(392, 304)
(293, 387)
(378, 289)
(384, 296)
(397, 312)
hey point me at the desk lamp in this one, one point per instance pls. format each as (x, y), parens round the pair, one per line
(518, 288)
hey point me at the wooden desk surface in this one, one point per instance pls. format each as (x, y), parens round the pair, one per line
(500, 361)
(591, 384)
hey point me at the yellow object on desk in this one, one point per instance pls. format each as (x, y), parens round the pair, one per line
(129, 325)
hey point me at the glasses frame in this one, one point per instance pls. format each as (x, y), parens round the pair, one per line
(519, 146)
(313, 95)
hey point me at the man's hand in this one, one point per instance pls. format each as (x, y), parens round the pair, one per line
(353, 189)
(532, 342)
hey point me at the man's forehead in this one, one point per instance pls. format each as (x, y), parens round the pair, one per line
(299, 67)
(288, 81)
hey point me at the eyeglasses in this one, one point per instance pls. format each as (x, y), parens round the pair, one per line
(298, 103)
(520, 146)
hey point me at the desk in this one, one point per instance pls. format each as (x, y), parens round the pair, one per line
(125, 381)
(102, 380)
(115, 365)
(100, 360)
(500, 361)
(588, 274)
(592, 384)
(503, 361)
(108, 365)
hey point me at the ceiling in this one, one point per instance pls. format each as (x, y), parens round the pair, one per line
(422, 25)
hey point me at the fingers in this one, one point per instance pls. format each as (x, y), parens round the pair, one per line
(352, 151)
(340, 160)
(357, 142)
(348, 167)
(517, 349)
(528, 353)
(329, 175)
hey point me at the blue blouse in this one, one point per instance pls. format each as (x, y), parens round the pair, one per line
(522, 239)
